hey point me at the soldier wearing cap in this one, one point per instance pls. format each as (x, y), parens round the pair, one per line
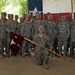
(2, 35)
(3, 14)
(51, 31)
(63, 35)
(26, 31)
(11, 28)
(5, 24)
(41, 55)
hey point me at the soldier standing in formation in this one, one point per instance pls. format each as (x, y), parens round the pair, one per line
(51, 31)
(26, 31)
(63, 35)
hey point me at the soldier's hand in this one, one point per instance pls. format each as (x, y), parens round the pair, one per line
(32, 42)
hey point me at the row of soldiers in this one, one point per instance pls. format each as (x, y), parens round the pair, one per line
(57, 34)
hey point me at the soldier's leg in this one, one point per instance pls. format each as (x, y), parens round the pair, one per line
(51, 47)
(51, 41)
(7, 47)
(45, 56)
(7, 44)
(68, 44)
(65, 47)
(45, 59)
(56, 45)
(3, 45)
(23, 48)
(1, 56)
(71, 49)
(74, 50)
(28, 47)
(60, 46)
(38, 57)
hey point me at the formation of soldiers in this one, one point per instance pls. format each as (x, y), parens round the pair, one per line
(57, 35)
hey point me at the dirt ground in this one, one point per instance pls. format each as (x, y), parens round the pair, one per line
(26, 66)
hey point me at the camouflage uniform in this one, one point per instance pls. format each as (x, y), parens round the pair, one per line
(41, 55)
(4, 27)
(2, 38)
(11, 27)
(51, 32)
(63, 35)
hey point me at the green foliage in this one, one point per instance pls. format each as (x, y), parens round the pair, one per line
(2, 4)
(21, 5)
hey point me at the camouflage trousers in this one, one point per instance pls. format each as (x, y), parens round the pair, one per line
(25, 47)
(62, 42)
(41, 56)
(72, 46)
(2, 45)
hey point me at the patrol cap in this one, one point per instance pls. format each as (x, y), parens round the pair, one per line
(41, 27)
(49, 16)
(16, 16)
(37, 12)
(11, 15)
(3, 13)
(48, 13)
(60, 14)
(21, 18)
(28, 16)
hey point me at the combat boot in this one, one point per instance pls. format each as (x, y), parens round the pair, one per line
(45, 66)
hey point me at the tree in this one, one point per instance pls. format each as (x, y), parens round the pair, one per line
(2, 5)
(20, 5)
(23, 6)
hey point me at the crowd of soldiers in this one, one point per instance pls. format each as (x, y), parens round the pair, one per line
(58, 35)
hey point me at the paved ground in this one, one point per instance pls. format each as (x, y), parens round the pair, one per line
(26, 66)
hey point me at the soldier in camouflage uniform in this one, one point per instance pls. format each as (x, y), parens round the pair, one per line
(51, 31)
(72, 39)
(21, 23)
(41, 54)
(2, 36)
(26, 31)
(63, 35)
(5, 23)
(11, 28)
